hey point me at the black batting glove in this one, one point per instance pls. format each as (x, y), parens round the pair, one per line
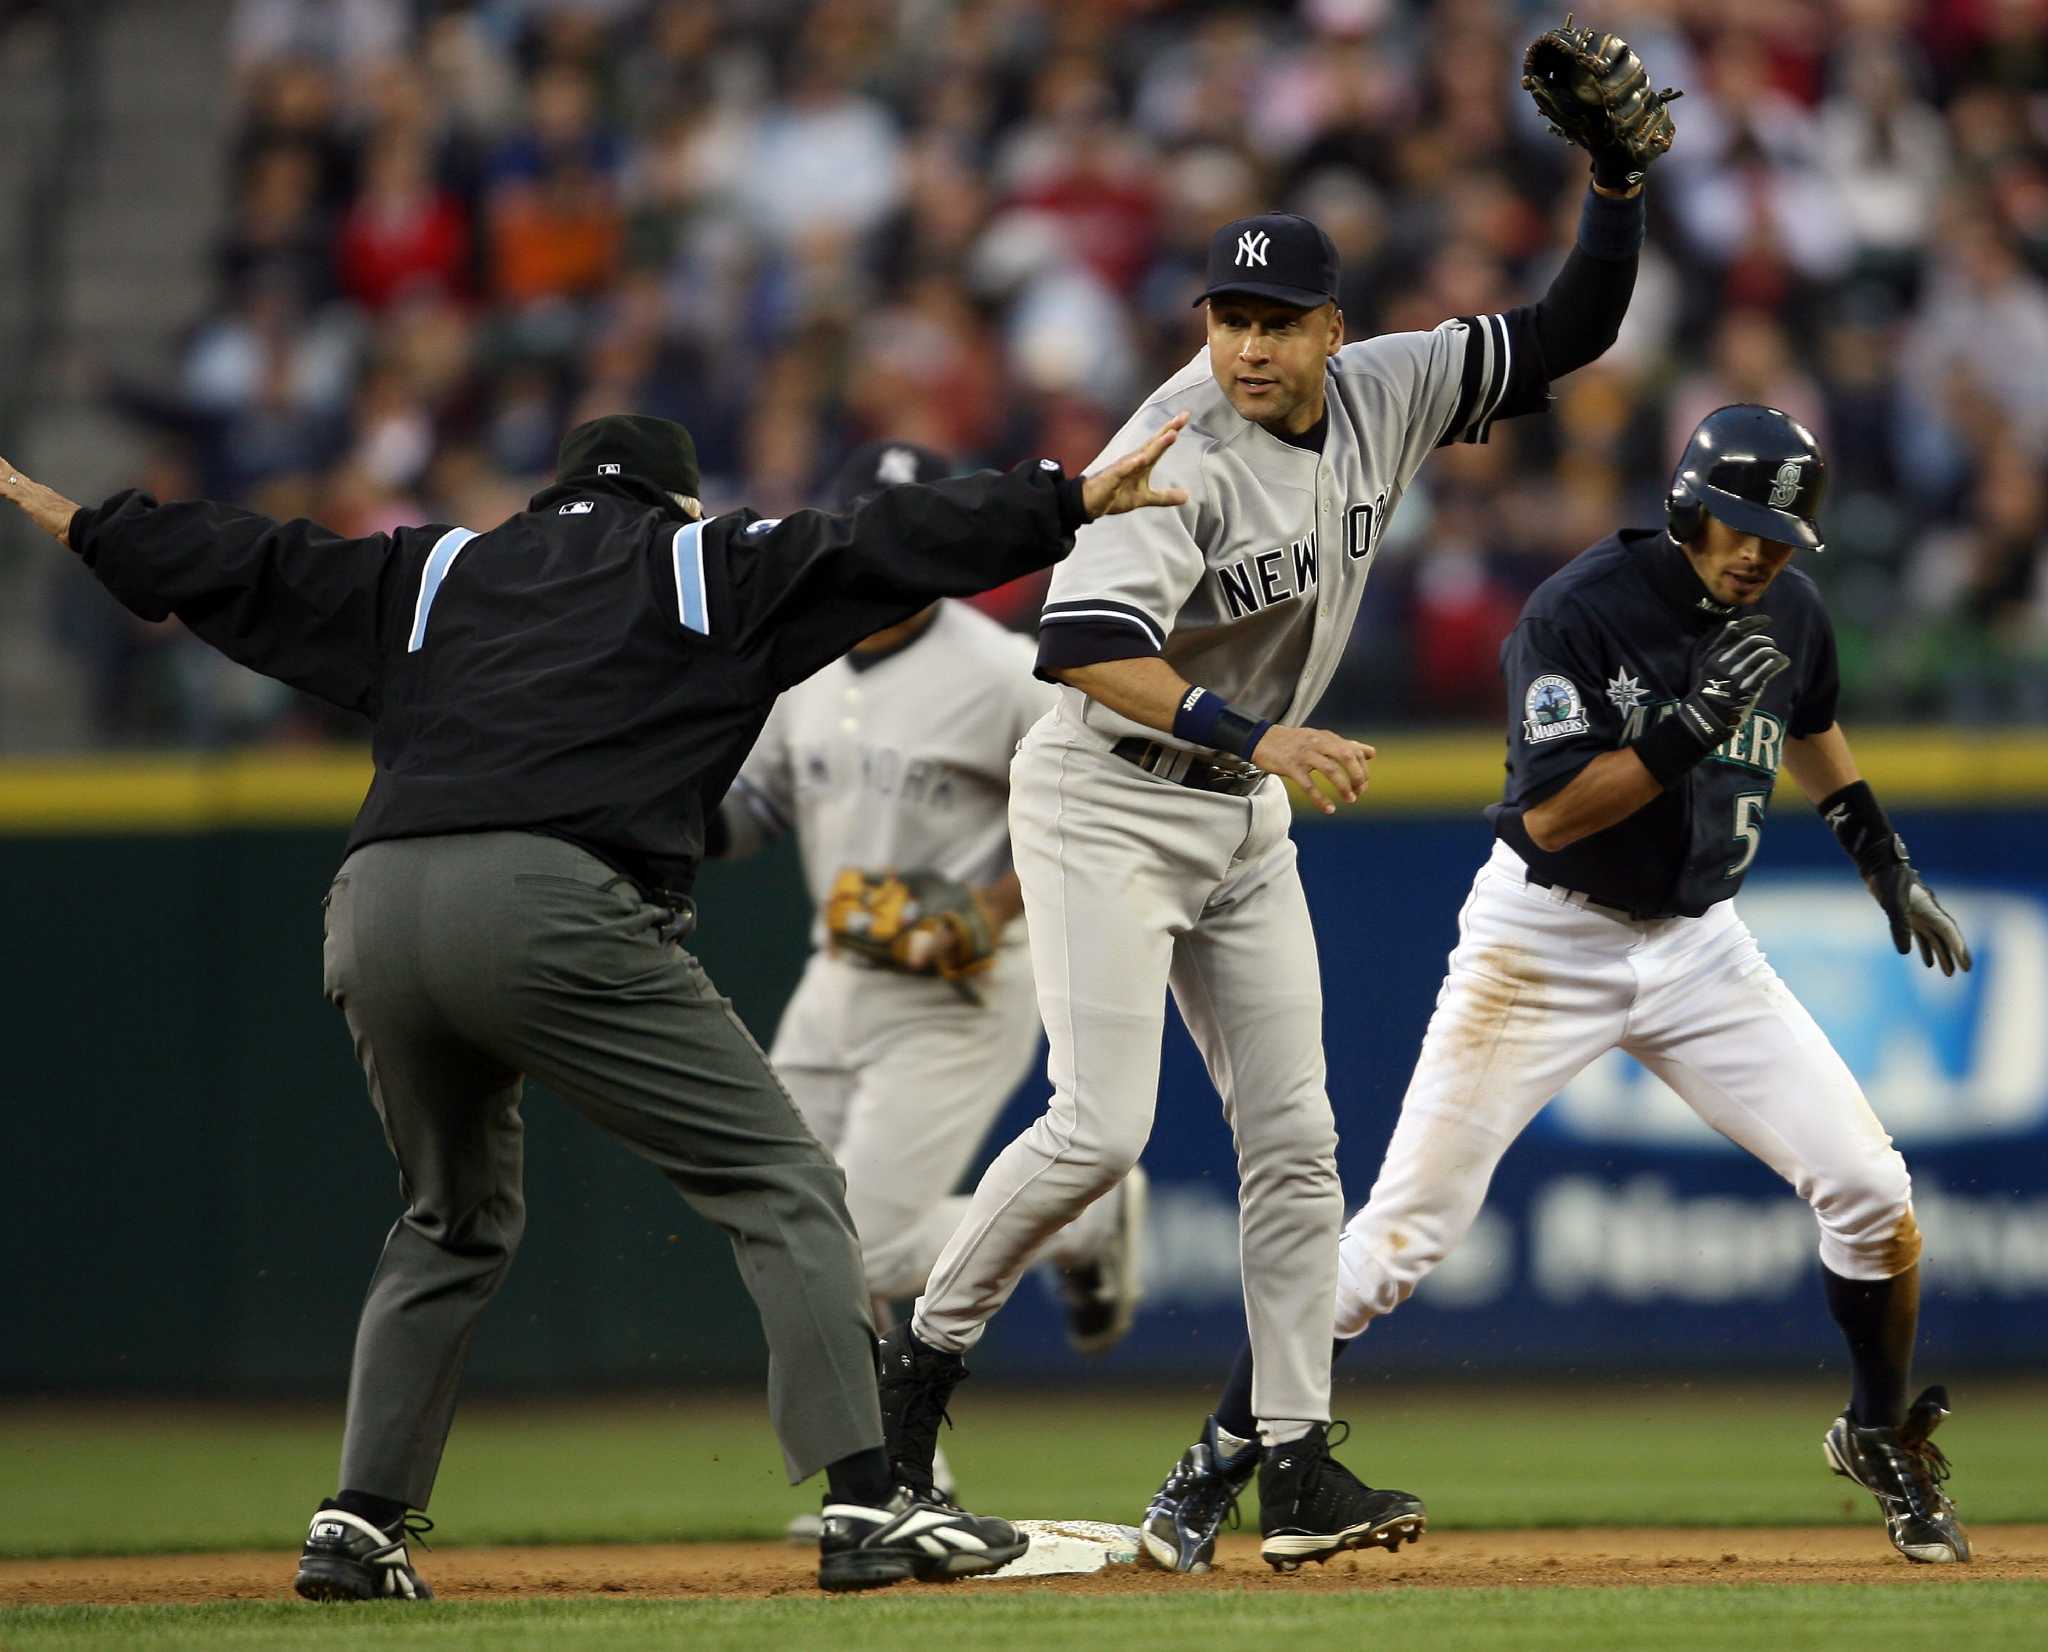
(1859, 823)
(1733, 671)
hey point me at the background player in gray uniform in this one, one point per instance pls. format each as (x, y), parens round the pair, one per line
(1655, 684)
(1151, 838)
(897, 756)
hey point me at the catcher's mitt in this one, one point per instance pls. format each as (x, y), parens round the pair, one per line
(1592, 89)
(914, 921)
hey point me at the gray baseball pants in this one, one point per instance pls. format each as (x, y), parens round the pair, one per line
(1133, 886)
(464, 963)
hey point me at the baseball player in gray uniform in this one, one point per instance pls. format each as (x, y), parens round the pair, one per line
(897, 756)
(1149, 831)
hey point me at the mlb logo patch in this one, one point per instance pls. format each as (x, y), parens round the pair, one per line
(608, 470)
(578, 507)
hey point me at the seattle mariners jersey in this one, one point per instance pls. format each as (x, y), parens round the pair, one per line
(1605, 646)
(1250, 588)
(900, 759)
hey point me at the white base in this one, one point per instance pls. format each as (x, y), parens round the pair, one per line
(1063, 1548)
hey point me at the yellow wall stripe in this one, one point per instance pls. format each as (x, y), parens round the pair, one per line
(184, 792)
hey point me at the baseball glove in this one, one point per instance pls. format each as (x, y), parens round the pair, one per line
(1592, 89)
(913, 921)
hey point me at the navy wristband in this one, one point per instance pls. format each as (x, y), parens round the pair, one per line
(1612, 229)
(1206, 719)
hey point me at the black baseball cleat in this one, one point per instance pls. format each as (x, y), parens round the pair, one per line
(910, 1537)
(1904, 1470)
(1311, 1506)
(915, 1382)
(1101, 1295)
(1179, 1530)
(347, 1558)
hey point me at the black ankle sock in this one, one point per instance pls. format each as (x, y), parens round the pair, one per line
(381, 1512)
(1878, 1317)
(861, 1478)
(1234, 1405)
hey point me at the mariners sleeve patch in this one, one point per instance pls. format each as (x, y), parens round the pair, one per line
(1552, 710)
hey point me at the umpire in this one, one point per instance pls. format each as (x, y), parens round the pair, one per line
(558, 704)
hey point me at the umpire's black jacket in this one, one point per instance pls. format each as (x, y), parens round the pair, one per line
(597, 667)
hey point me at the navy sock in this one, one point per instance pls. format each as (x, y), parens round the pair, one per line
(861, 1477)
(1234, 1404)
(381, 1512)
(1878, 1318)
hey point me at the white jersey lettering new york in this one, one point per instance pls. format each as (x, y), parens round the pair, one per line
(1250, 589)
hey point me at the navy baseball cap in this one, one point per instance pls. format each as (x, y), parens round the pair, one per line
(874, 466)
(1279, 255)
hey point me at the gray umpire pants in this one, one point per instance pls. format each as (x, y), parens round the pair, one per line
(464, 963)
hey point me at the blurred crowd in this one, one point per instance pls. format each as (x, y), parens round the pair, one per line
(455, 228)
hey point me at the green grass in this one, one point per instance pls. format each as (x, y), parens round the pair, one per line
(102, 1480)
(1985, 1617)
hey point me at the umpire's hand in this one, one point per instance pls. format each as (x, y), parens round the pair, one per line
(1126, 484)
(45, 507)
(1300, 754)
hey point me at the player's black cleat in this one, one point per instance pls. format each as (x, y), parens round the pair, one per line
(1311, 1506)
(1101, 1295)
(1179, 1530)
(915, 1382)
(347, 1558)
(1904, 1471)
(910, 1537)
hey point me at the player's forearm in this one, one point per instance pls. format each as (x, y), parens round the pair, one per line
(1147, 690)
(1580, 316)
(1822, 763)
(1602, 794)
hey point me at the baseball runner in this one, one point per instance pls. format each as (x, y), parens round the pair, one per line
(1150, 834)
(1655, 686)
(915, 1019)
(558, 705)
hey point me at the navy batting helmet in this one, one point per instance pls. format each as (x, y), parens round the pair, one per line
(1757, 469)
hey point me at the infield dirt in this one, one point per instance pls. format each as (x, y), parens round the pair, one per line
(1584, 1558)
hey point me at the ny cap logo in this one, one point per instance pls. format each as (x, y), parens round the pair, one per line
(1785, 487)
(1251, 248)
(898, 464)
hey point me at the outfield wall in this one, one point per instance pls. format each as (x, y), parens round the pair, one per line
(193, 1188)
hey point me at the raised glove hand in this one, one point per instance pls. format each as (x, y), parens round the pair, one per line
(1593, 90)
(1917, 916)
(917, 922)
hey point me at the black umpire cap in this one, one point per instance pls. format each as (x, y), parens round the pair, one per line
(1275, 255)
(874, 466)
(631, 444)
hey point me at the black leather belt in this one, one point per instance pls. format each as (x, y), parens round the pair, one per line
(1184, 768)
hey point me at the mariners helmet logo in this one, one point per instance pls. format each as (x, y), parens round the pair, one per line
(1251, 248)
(1785, 487)
(898, 465)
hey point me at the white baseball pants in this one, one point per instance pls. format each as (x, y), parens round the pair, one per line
(1133, 884)
(1538, 987)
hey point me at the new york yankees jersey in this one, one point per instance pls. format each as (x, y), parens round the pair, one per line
(1604, 647)
(1250, 588)
(899, 759)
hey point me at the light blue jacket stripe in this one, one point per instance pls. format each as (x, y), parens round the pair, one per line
(690, 578)
(439, 560)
